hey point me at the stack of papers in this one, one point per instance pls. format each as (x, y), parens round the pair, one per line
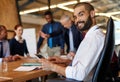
(28, 67)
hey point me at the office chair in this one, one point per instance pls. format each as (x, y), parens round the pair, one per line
(105, 58)
(119, 59)
(101, 71)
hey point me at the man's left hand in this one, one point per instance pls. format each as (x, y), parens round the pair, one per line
(46, 65)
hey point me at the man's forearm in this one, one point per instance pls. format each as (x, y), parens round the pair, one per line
(58, 69)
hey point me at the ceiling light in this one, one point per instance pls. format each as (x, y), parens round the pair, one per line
(86, 0)
(66, 8)
(68, 3)
(46, 7)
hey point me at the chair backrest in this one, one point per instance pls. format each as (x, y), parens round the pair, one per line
(105, 55)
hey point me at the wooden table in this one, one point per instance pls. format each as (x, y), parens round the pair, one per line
(22, 76)
(3, 79)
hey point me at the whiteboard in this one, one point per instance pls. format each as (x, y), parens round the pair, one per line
(117, 32)
(29, 35)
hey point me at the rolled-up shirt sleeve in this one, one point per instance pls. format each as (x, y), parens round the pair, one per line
(75, 72)
(68, 71)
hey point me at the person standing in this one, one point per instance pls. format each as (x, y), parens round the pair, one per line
(53, 32)
(72, 36)
(88, 53)
(17, 43)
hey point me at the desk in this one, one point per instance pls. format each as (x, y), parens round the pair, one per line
(2, 79)
(22, 76)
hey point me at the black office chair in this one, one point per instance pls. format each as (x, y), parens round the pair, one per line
(103, 65)
(119, 59)
(105, 58)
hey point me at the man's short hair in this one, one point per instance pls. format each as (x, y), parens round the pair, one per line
(65, 17)
(88, 6)
(2, 27)
(48, 13)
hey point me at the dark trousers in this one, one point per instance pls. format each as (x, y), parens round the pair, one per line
(62, 80)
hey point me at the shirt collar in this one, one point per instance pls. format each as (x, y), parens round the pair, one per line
(93, 28)
(16, 37)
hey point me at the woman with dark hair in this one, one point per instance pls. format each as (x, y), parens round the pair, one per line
(17, 43)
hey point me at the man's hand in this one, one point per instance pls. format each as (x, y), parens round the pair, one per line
(46, 65)
(70, 55)
(8, 59)
(17, 57)
(57, 60)
(43, 35)
(49, 66)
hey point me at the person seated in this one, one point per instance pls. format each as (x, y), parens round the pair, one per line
(18, 44)
(88, 52)
(4, 46)
(11, 58)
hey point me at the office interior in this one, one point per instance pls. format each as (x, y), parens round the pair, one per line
(30, 13)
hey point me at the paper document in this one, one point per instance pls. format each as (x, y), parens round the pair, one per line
(27, 68)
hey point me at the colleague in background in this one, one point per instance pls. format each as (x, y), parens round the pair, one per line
(4, 46)
(52, 30)
(72, 36)
(88, 53)
(17, 43)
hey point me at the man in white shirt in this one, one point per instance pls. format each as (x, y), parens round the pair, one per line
(88, 53)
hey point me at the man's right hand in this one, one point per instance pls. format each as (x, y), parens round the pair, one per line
(17, 57)
(43, 35)
(9, 58)
(71, 55)
(55, 59)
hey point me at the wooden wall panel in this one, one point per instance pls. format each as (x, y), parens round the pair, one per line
(8, 14)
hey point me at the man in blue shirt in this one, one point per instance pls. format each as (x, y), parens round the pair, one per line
(53, 31)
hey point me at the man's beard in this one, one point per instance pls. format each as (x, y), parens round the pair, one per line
(86, 26)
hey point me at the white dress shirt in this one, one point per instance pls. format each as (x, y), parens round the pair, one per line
(6, 48)
(86, 56)
(0, 60)
(71, 40)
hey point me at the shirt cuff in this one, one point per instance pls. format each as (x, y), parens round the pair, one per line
(0, 60)
(68, 72)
